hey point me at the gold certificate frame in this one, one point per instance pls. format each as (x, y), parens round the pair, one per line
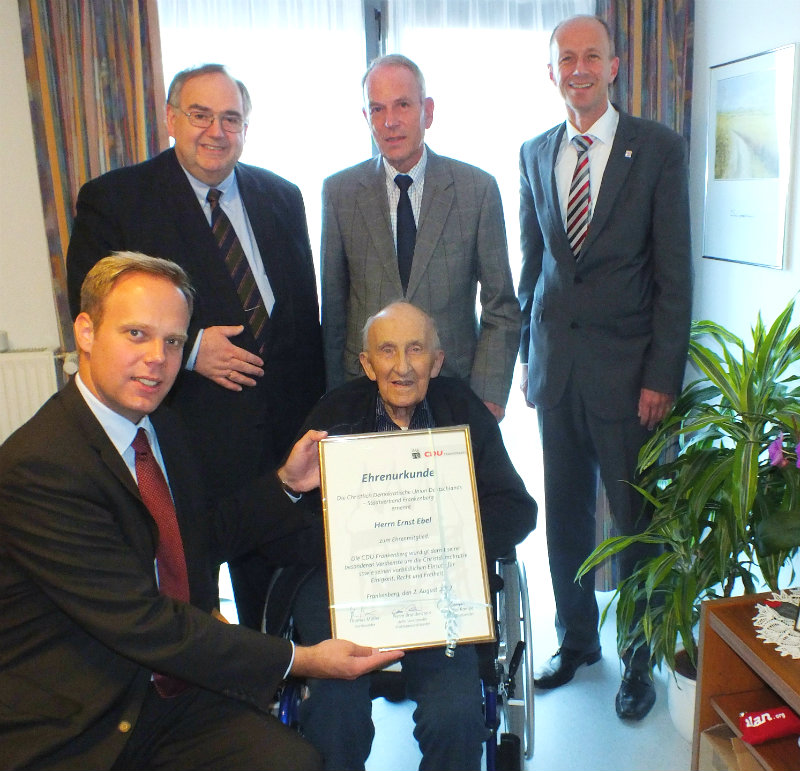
(406, 566)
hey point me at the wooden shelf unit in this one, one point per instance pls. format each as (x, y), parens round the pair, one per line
(737, 672)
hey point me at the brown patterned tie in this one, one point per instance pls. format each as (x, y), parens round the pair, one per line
(173, 579)
(242, 276)
(579, 202)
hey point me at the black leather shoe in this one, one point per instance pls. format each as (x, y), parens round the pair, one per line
(561, 667)
(636, 695)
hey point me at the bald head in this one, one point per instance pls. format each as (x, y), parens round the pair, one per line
(401, 354)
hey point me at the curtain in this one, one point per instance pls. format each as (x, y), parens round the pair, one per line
(97, 102)
(654, 40)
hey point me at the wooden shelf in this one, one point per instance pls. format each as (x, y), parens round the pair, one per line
(737, 673)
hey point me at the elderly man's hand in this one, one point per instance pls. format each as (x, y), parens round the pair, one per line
(301, 470)
(225, 363)
(339, 659)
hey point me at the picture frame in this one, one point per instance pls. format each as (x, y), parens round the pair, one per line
(403, 539)
(749, 157)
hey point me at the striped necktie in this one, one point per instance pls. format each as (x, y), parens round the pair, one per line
(173, 579)
(242, 276)
(580, 199)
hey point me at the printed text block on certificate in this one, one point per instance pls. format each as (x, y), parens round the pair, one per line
(406, 566)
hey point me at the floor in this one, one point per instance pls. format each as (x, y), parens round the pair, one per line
(576, 727)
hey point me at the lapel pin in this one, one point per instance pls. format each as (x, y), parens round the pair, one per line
(628, 153)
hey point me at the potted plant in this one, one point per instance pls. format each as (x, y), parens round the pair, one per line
(726, 501)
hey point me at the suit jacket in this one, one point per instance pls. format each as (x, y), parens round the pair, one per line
(152, 208)
(461, 241)
(82, 625)
(508, 513)
(617, 319)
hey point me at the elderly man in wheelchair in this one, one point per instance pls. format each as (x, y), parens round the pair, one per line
(402, 389)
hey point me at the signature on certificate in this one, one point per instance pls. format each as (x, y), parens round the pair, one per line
(406, 610)
(363, 617)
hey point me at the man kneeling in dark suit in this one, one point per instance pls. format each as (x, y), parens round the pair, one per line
(105, 660)
(402, 359)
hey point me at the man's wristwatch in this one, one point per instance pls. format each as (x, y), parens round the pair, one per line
(288, 490)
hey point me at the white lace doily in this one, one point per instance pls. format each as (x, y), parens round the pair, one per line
(776, 629)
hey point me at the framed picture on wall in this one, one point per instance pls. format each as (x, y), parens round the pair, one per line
(749, 157)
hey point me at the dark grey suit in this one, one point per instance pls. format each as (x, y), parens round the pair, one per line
(83, 626)
(596, 331)
(461, 241)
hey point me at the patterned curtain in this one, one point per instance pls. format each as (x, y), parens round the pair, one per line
(653, 39)
(96, 93)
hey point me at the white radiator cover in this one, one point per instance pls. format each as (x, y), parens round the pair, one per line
(27, 380)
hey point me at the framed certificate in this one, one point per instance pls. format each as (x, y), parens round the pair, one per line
(406, 567)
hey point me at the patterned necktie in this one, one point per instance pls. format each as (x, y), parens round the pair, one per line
(579, 201)
(241, 274)
(173, 580)
(406, 229)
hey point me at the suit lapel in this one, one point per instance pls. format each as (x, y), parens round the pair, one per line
(261, 213)
(373, 203)
(620, 161)
(200, 254)
(546, 161)
(96, 437)
(437, 200)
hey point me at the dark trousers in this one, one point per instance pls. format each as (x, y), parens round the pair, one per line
(577, 445)
(337, 715)
(204, 731)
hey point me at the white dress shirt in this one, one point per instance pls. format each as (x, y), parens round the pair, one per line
(602, 133)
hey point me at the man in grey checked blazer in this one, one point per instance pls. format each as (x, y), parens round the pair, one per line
(460, 243)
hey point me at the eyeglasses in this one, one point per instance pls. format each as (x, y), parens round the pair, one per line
(233, 124)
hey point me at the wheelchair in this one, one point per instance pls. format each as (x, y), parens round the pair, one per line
(506, 666)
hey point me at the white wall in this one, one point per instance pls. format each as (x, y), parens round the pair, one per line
(727, 292)
(27, 309)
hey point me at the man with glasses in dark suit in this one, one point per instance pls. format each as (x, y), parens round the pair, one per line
(240, 232)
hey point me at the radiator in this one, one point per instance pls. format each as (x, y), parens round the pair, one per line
(27, 380)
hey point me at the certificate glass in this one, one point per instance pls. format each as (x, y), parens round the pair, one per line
(406, 567)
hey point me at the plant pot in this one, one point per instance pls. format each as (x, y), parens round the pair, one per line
(681, 690)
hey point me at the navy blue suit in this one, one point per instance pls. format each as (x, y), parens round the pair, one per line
(595, 332)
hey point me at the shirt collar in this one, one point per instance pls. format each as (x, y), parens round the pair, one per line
(603, 128)
(119, 429)
(227, 187)
(416, 173)
(422, 417)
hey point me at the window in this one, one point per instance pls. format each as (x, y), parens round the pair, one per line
(302, 61)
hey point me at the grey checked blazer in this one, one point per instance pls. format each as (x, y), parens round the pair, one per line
(461, 241)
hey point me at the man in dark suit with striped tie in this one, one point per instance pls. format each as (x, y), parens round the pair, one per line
(606, 292)
(253, 362)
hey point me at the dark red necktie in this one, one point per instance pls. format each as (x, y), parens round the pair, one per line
(173, 579)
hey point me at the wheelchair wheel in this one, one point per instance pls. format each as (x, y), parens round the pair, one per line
(516, 660)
